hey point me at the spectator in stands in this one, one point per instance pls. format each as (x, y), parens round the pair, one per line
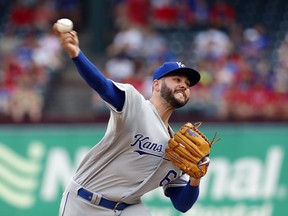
(9, 42)
(184, 18)
(120, 67)
(222, 15)
(138, 12)
(281, 103)
(236, 104)
(47, 53)
(25, 101)
(154, 45)
(45, 12)
(164, 14)
(280, 76)
(255, 43)
(12, 70)
(212, 43)
(24, 52)
(22, 17)
(127, 41)
(4, 99)
(200, 11)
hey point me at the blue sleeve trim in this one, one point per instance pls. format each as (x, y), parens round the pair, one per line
(96, 80)
(183, 198)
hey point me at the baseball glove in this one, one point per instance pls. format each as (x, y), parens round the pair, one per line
(189, 150)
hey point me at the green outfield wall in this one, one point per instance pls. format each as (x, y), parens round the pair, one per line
(248, 175)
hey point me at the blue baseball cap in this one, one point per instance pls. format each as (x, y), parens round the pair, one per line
(177, 67)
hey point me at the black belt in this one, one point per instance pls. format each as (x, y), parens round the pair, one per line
(87, 195)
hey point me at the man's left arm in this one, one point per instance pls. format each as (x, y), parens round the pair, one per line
(183, 198)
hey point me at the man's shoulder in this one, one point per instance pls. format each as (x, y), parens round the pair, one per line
(127, 87)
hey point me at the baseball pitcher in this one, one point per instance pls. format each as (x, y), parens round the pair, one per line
(139, 151)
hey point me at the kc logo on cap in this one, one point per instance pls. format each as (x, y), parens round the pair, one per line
(180, 64)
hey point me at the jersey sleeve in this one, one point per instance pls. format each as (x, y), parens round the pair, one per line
(96, 80)
(133, 100)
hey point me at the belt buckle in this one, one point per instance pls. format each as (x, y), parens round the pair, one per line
(116, 205)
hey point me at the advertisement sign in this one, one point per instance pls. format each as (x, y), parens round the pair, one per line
(247, 176)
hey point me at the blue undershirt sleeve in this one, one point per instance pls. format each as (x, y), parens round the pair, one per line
(96, 80)
(183, 198)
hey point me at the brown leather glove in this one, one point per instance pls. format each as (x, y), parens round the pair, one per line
(189, 150)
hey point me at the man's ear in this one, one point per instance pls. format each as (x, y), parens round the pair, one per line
(156, 85)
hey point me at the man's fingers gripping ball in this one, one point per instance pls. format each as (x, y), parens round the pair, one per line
(189, 150)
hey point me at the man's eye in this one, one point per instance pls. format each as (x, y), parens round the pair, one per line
(177, 79)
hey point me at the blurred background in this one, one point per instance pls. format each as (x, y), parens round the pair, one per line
(49, 117)
(239, 48)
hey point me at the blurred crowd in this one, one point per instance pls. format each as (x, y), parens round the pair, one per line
(240, 79)
(30, 54)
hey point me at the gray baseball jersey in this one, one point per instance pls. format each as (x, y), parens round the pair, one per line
(129, 161)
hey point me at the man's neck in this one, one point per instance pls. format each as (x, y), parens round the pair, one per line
(164, 110)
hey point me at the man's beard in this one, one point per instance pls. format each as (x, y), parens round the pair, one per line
(168, 95)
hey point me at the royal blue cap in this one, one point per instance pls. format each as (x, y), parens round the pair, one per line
(177, 67)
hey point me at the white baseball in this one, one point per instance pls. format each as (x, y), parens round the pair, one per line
(64, 25)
